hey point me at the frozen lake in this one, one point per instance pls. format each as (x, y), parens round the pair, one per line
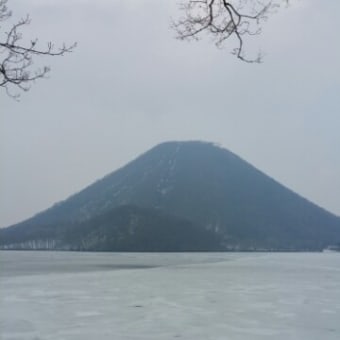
(206, 296)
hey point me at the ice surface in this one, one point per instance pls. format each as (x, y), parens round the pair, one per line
(73, 296)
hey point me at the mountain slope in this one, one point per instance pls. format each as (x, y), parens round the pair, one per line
(210, 187)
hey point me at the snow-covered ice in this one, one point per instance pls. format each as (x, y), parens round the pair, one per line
(211, 296)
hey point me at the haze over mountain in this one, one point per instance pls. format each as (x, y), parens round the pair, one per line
(180, 196)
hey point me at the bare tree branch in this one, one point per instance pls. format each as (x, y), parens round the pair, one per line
(223, 19)
(16, 59)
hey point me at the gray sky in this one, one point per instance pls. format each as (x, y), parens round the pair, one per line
(130, 85)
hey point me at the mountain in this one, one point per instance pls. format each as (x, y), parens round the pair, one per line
(196, 190)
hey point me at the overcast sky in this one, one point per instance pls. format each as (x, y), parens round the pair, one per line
(130, 85)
